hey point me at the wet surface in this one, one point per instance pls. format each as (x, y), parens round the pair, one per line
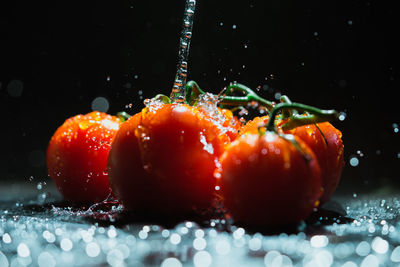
(38, 229)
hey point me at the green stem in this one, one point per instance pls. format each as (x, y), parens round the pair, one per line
(243, 100)
(316, 115)
(123, 116)
(192, 93)
(286, 113)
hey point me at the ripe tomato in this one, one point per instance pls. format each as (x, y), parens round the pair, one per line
(268, 180)
(252, 125)
(77, 156)
(231, 123)
(325, 141)
(162, 160)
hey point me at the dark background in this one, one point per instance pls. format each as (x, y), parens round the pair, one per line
(56, 58)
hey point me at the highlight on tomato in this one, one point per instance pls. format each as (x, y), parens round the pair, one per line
(77, 156)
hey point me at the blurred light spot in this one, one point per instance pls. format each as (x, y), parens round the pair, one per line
(112, 233)
(255, 244)
(115, 257)
(66, 244)
(202, 258)
(171, 262)
(45, 259)
(143, 234)
(3, 260)
(223, 247)
(319, 241)
(324, 258)
(100, 104)
(342, 116)
(238, 233)
(370, 261)
(380, 245)
(395, 127)
(199, 233)
(395, 257)
(270, 257)
(165, 233)
(175, 239)
(199, 243)
(15, 88)
(349, 264)
(23, 250)
(7, 238)
(92, 249)
(234, 26)
(363, 248)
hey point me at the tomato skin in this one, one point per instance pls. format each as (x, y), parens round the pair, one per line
(162, 160)
(231, 123)
(326, 142)
(266, 181)
(77, 156)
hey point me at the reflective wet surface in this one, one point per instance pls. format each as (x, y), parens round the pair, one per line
(38, 229)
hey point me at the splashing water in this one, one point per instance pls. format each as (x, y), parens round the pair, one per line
(178, 88)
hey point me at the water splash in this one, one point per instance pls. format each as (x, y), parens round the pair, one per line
(178, 88)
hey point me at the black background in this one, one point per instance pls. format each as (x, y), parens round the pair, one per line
(332, 54)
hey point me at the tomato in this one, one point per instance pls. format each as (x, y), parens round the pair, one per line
(325, 141)
(162, 160)
(231, 123)
(77, 156)
(252, 125)
(269, 180)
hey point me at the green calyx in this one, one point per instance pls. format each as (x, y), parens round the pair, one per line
(294, 114)
(301, 115)
(123, 116)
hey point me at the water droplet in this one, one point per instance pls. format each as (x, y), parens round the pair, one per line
(354, 161)
(395, 127)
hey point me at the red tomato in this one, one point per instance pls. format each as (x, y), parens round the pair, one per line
(77, 156)
(252, 125)
(231, 123)
(325, 141)
(266, 180)
(162, 160)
